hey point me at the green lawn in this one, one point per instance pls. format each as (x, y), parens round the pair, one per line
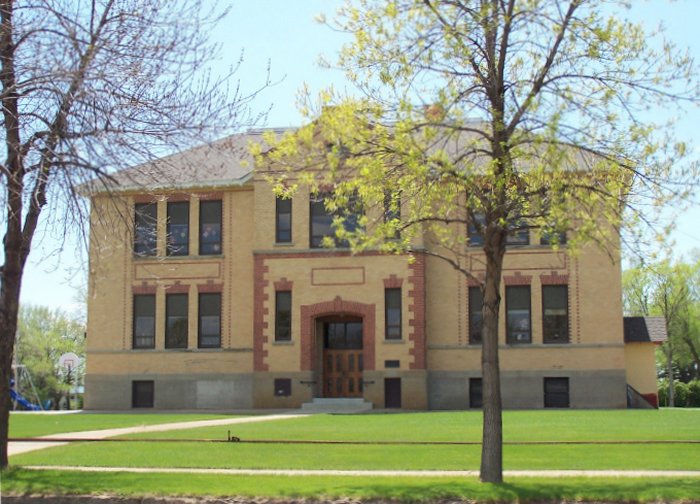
(453, 426)
(38, 424)
(19, 481)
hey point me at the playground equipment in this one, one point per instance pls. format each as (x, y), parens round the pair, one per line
(20, 372)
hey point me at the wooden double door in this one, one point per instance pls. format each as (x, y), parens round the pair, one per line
(342, 358)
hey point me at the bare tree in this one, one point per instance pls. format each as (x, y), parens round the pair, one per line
(89, 87)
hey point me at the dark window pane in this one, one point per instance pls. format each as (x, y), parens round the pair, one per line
(210, 320)
(392, 313)
(518, 310)
(283, 220)
(210, 228)
(142, 394)
(556, 392)
(476, 322)
(176, 321)
(354, 335)
(475, 393)
(145, 229)
(321, 220)
(518, 233)
(476, 237)
(555, 313)
(144, 321)
(178, 231)
(283, 316)
(549, 238)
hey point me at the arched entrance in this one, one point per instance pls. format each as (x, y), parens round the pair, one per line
(337, 344)
(340, 339)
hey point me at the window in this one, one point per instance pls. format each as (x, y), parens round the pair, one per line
(518, 310)
(555, 315)
(144, 321)
(392, 212)
(556, 392)
(142, 394)
(476, 399)
(178, 228)
(176, 321)
(145, 229)
(475, 230)
(283, 387)
(476, 320)
(549, 238)
(518, 233)
(321, 220)
(209, 321)
(283, 220)
(283, 316)
(210, 228)
(392, 313)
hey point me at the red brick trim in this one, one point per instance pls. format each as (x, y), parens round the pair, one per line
(652, 399)
(393, 282)
(416, 310)
(144, 289)
(309, 313)
(145, 198)
(517, 279)
(210, 288)
(554, 279)
(177, 197)
(259, 312)
(283, 284)
(476, 282)
(210, 196)
(177, 288)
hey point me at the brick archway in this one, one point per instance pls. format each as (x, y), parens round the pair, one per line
(309, 313)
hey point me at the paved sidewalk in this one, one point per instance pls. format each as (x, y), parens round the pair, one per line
(15, 448)
(388, 473)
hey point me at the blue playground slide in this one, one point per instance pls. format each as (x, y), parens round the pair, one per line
(21, 400)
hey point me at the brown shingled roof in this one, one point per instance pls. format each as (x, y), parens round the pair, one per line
(645, 330)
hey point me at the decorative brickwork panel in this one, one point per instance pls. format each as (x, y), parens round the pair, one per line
(309, 313)
(416, 310)
(393, 282)
(144, 289)
(554, 279)
(517, 279)
(145, 198)
(210, 288)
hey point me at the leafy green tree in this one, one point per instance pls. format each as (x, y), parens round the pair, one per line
(43, 336)
(559, 143)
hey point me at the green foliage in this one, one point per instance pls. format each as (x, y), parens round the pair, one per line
(43, 336)
(685, 394)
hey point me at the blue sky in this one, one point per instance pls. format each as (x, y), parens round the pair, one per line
(285, 34)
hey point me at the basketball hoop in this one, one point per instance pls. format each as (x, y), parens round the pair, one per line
(69, 361)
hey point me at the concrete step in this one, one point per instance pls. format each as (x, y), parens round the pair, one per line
(336, 405)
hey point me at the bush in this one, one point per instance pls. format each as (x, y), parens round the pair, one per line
(694, 394)
(684, 394)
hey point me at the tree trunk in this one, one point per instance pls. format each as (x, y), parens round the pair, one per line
(492, 443)
(669, 371)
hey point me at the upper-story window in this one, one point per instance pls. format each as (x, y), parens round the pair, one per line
(144, 330)
(475, 230)
(476, 319)
(283, 220)
(555, 313)
(550, 238)
(518, 314)
(392, 212)
(178, 229)
(321, 220)
(392, 313)
(518, 233)
(210, 227)
(145, 229)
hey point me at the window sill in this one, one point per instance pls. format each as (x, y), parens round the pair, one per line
(161, 258)
(284, 343)
(395, 341)
(284, 244)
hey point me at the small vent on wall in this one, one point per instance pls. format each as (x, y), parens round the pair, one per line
(392, 364)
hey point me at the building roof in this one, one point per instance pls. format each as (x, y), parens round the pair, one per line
(222, 163)
(645, 330)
